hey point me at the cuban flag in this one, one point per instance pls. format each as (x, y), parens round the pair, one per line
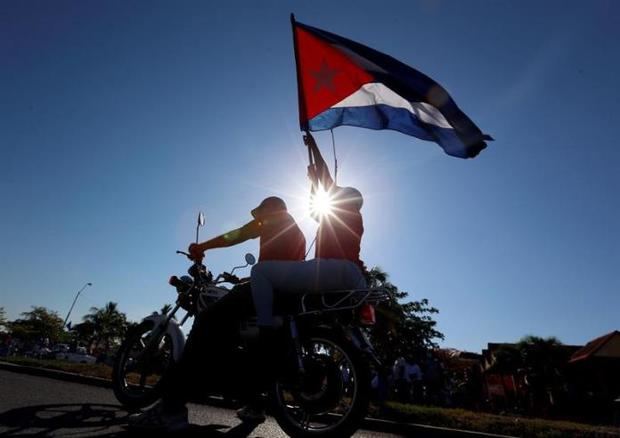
(341, 82)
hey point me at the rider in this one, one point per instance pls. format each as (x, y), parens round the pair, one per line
(213, 330)
(336, 266)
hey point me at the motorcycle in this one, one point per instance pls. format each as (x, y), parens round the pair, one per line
(323, 390)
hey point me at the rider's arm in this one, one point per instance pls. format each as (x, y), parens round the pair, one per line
(320, 167)
(317, 172)
(251, 230)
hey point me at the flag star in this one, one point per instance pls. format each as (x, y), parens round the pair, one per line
(324, 77)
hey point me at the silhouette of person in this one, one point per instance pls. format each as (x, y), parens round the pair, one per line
(213, 333)
(336, 266)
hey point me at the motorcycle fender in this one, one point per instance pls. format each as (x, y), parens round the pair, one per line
(174, 331)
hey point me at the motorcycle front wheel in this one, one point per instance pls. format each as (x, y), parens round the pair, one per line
(141, 361)
(331, 398)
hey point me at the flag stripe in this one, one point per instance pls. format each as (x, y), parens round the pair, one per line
(376, 93)
(382, 116)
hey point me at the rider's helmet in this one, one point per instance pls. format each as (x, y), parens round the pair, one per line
(349, 198)
(268, 207)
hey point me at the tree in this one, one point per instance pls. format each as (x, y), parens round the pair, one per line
(165, 309)
(83, 333)
(108, 323)
(37, 325)
(535, 363)
(542, 360)
(506, 360)
(402, 329)
(540, 355)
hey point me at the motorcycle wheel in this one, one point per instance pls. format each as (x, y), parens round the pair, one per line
(331, 400)
(140, 365)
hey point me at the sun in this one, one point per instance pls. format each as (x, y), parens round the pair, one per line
(321, 203)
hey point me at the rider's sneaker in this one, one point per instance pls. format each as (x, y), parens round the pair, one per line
(158, 419)
(251, 414)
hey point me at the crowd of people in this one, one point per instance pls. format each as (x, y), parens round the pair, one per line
(411, 381)
(427, 380)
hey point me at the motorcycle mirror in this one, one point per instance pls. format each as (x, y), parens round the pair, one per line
(249, 259)
(201, 222)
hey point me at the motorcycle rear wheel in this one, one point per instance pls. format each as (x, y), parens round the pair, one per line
(138, 369)
(333, 400)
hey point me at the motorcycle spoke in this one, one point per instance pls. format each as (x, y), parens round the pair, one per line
(143, 379)
(329, 397)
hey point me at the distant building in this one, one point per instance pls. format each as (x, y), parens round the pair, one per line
(594, 373)
(580, 382)
(607, 347)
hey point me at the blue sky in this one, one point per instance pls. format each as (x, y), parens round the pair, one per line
(120, 120)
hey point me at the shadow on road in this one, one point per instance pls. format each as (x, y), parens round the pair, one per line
(92, 419)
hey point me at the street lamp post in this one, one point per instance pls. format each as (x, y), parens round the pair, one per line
(64, 324)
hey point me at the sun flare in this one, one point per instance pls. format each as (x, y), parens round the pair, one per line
(321, 203)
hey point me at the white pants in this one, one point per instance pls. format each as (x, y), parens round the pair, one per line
(312, 276)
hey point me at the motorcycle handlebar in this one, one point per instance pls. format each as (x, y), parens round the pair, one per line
(230, 278)
(189, 256)
(226, 277)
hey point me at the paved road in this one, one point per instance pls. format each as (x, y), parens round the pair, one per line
(39, 406)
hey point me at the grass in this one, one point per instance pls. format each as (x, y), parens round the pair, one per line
(93, 370)
(498, 424)
(428, 415)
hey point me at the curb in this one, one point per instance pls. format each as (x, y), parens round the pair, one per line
(372, 424)
(56, 374)
(422, 430)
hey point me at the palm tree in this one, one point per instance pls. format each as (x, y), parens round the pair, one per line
(506, 360)
(108, 322)
(84, 333)
(542, 359)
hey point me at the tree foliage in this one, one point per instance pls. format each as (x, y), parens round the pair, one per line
(538, 363)
(83, 333)
(542, 359)
(107, 323)
(532, 355)
(38, 324)
(403, 328)
(507, 360)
